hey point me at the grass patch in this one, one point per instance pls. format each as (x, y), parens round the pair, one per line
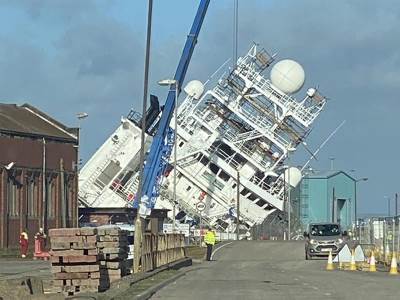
(8, 253)
(196, 252)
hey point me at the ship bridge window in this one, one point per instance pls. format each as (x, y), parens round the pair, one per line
(244, 192)
(214, 168)
(252, 197)
(224, 176)
(261, 203)
(204, 160)
(127, 176)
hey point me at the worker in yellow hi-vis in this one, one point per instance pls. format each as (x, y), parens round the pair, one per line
(209, 239)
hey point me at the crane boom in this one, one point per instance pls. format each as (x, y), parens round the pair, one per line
(155, 161)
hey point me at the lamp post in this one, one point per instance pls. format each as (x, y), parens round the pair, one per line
(388, 204)
(355, 195)
(176, 84)
(80, 116)
(355, 204)
(290, 149)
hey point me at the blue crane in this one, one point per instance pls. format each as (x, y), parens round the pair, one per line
(161, 147)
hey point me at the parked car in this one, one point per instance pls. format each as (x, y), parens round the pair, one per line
(321, 238)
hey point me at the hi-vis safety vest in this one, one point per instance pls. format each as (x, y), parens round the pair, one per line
(209, 238)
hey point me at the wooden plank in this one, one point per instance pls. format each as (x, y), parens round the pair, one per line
(112, 238)
(79, 259)
(81, 268)
(69, 252)
(56, 269)
(95, 275)
(61, 245)
(71, 275)
(87, 231)
(118, 244)
(86, 282)
(84, 245)
(114, 250)
(63, 232)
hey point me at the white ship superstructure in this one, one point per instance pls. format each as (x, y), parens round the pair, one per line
(245, 126)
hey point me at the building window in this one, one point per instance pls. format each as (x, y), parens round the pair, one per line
(12, 199)
(32, 209)
(50, 199)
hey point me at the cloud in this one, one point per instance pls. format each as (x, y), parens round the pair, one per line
(77, 56)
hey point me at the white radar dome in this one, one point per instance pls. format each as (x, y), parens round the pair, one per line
(194, 89)
(288, 76)
(294, 176)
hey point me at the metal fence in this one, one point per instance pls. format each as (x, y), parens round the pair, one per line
(382, 234)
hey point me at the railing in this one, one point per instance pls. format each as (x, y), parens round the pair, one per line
(161, 249)
(381, 234)
(264, 126)
(242, 149)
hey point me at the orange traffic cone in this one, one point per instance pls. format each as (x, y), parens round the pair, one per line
(393, 266)
(353, 266)
(330, 266)
(372, 267)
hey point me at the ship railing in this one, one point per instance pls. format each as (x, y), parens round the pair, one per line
(261, 122)
(259, 182)
(222, 154)
(243, 149)
(264, 85)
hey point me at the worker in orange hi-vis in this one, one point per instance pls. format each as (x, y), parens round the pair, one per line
(40, 241)
(23, 243)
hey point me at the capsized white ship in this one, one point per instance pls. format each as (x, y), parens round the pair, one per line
(245, 124)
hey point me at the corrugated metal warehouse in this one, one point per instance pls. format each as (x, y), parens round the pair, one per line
(327, 196)
(30, 142)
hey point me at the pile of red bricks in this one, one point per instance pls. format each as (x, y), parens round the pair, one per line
(87, 259)
(113, 253)
(74, 260)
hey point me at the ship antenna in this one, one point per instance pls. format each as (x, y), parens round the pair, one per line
(322, 145)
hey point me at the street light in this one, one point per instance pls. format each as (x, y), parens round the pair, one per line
(355, 195)
(174, 82)
(355, 204)
(388, 200)
(290, 149)
(80, 116)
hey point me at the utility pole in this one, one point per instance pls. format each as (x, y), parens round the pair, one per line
(44, 204)
(288, 200)
(237, 203)
(139, 222)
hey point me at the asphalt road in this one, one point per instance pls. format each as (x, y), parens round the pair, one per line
(16, 268)
(276, 270)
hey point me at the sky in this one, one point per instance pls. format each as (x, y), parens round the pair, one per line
(70, 56)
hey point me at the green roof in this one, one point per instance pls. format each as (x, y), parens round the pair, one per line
(327, 174)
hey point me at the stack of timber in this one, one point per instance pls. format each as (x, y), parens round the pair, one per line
(74, 261)
(113, 254)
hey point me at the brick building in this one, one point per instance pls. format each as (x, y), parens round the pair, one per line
(32, 142)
